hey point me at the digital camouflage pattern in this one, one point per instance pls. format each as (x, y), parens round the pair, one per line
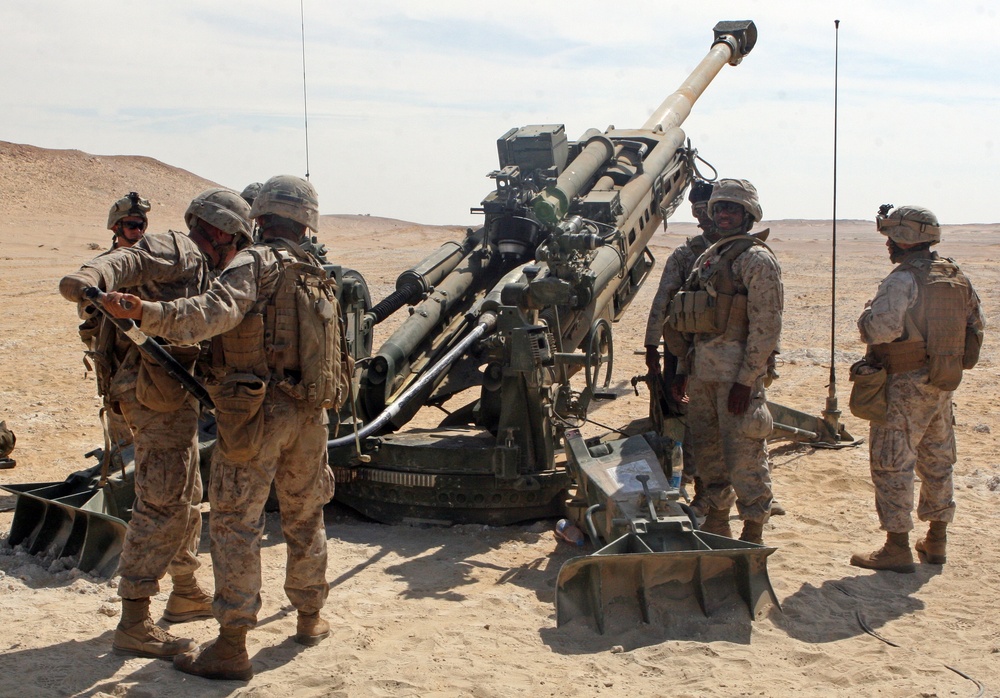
(757, 274)
(165, 528)
(732, 453)
(294, 458)
(675, 272)
(293, 455)
(918, 436)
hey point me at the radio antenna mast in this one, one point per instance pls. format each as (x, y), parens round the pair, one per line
(305, 99)
(831, 415)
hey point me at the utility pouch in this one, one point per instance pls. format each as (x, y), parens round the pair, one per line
(945, 372)
(973, 345)
(157, 389)
(239, 415)
(756, 422)
(868, 392)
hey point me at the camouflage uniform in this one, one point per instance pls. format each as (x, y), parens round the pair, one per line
(732, 453)
(675, 271)
(918, 435)
(165, 528)
(293, 456)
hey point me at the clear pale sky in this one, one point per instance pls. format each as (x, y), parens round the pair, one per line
(406, 99)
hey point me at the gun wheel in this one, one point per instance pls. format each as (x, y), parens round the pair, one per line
(600, 355)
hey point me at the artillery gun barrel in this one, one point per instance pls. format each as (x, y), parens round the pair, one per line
(733, 40)
(449, 292)
(487, 322)
(424, 276)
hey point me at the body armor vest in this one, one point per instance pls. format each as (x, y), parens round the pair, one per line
(934, 327)
(710, 302)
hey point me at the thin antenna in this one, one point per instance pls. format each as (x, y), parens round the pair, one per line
(305, 99)
(831, 414)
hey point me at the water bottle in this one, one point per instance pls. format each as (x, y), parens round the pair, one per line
(676, 464)
(569, 532)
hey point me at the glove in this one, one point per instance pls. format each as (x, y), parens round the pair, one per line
(739, 398)
(653, 360)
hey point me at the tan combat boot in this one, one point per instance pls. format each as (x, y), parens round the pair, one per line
(753, 532)
(699, 503)
(225, 659)
(137, 635)
(894, 556)
(311, 629)
(717, 522)
(187, 601)
(932, 546)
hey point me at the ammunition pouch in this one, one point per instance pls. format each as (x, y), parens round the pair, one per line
(702, 312)
(158, 390)
(868, 391)
(239, 414)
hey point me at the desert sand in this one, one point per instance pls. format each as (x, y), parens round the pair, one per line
(468, 610)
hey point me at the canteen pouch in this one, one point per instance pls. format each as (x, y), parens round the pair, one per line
(239, 415)
(158, 390)
(868, 391)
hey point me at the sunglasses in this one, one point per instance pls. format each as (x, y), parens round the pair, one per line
(133, 225)
(727, 207)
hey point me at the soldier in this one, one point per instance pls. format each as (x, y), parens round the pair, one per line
(127, 220)
(675, 272)
(730, 308)
(924, 326)
(277, 316)
(250, 192)
(106, 346)
(165, 528)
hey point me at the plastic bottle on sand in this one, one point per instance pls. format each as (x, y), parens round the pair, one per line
(569, 532)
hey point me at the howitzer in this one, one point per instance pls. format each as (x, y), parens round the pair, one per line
(561, 254)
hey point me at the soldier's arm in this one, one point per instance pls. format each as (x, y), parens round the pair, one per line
(761, 275)
(670, 282)
(191, 320)
(155, 257)
(883, 320)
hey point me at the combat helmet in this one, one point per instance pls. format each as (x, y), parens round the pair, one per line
(221, 208)
(250, 192)
(129, 205)
(290, 197)
(701, 191)
(909, 225)
(738, 191)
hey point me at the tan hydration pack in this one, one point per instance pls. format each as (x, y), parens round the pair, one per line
(296, 339)
(936, 334)
(709, 302)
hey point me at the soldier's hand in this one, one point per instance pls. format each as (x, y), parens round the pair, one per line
(123, 305)
(739, 398)
(652, 359)
(678, 389)
(72, 287)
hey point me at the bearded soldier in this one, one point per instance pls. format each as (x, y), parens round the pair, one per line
(726, 322)
(924, 327)
(277, 319)
(165, 528)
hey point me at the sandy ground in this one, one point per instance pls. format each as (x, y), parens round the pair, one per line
(468, 611)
